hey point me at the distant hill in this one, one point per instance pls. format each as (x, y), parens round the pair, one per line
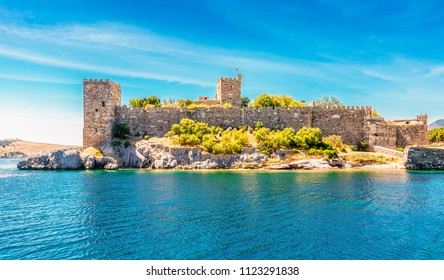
(16, 148)
(436, 124)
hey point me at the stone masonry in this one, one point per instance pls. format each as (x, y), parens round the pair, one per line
(100, 100)
(228, 91)
(103, 110)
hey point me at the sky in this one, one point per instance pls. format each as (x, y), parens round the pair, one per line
(385, 54)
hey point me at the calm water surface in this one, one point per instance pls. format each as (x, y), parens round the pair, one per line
(220, 215)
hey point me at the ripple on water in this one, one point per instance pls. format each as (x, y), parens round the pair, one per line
(221, 215)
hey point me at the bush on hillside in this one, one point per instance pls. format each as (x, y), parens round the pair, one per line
(436, 135)
(213, 139)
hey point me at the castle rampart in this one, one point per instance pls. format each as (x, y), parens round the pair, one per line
(354, 123)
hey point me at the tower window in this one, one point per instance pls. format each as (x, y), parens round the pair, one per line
(97, 110)
(103, 103)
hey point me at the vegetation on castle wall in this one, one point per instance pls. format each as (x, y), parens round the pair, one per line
(245, 101)
(436, 135)
(144, 102)
(267, 100)
(331, 102)
(121, 130)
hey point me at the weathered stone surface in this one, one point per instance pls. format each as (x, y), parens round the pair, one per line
(62, 159)
(279, 167)
(424, 158)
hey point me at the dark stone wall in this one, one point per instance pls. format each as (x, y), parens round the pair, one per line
(418, 158)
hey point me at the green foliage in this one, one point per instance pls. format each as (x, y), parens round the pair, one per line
(245, 101)
(267, 100)
(143, 102)
(184, 102)
(399, 149)
(331, 102)
(335, 141)
(307, 138)
(331, 154)
(213, 139)
(127, 144)
(258, 125)
(375, 113)
(146, 137)
(121, 130)
(436, 135)
(362, 146)
(115, 143)
(227, 105)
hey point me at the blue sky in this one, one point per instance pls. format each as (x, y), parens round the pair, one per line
(386, 54)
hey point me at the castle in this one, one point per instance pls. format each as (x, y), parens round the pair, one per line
(103, 111)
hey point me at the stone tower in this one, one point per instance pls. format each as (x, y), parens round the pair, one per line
(100, 97)
(229, 91)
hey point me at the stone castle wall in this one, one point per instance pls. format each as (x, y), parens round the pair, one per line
(346, 121)
(103, 110)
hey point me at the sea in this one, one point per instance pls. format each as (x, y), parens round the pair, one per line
(220, 215)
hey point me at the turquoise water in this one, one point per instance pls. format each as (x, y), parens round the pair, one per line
(135, 214)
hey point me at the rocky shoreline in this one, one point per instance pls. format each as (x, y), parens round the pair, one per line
(152, 155)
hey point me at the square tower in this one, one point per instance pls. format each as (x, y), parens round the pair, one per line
(100, 97)
(229, 91)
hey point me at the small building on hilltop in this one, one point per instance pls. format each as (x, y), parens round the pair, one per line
(228, 91)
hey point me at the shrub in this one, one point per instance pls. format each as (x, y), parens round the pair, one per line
(335, 141)
(399, 149)
(227, 105)
(362, 146)
(307, 138)
(146, 137)
(331, 102)
(127, 144)
(121, 130)
(436, 135)
(267, 100)
(115, 143)
(330, 154)
(213, 139)
(184, 103)
(144, 102)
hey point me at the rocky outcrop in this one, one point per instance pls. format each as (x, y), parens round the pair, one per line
(62, 159)
(144, 154)
(147, 154)
(418, 158)
(309, 164)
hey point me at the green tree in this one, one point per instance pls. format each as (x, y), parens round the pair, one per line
(153, 100)
(331, 102)
(245, 101)
(142, 103)
(267, 100)
(436, 135)
(184, 102)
